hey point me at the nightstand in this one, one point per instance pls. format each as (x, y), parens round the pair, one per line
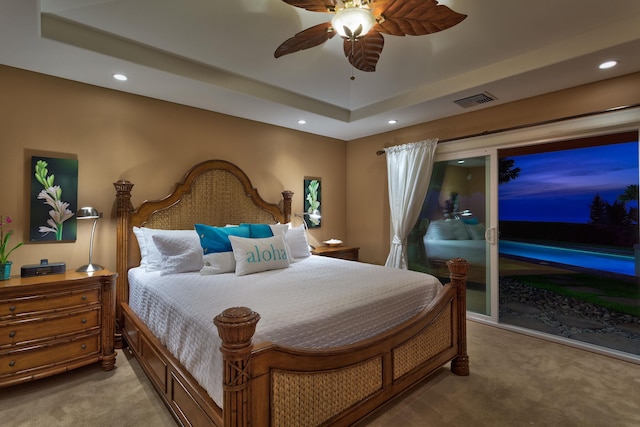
(53, 323)
(343, 252)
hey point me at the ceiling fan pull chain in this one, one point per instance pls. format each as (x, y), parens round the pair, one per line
(353, 42)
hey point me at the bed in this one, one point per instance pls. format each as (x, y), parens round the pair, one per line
(455, 238)
(267, 377)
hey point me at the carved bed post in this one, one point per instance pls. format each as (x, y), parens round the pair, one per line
(123, 209)
(236, 327)
(458, 269)
(287, 195)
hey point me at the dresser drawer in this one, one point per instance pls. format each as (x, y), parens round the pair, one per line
(53, 325)
(30, 358)
(48, 302)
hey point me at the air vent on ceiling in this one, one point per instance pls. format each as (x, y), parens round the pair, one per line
(472, 101)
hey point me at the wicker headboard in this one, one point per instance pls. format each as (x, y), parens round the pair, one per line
(213, 192)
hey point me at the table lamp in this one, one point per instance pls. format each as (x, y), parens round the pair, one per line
(90, 213)
(313, 215)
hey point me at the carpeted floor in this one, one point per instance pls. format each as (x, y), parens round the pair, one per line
(515, 380)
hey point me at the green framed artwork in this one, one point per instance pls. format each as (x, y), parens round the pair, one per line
(312, 202)
(54, 199)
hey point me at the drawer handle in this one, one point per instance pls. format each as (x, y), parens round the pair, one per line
(84, 320)
(12, 334)
(84, 346)
(12, 363)
(84, 297)
(12, 308)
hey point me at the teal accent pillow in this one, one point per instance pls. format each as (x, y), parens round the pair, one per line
(258, 231)
(216, 239)
(471, 221)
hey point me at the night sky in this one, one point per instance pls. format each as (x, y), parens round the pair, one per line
(559, 186)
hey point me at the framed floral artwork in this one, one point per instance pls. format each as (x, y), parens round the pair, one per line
(312, 202)
(54, 199)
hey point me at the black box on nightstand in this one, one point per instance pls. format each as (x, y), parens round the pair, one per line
(42, 269)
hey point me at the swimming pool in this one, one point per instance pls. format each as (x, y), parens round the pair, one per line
(620, 264)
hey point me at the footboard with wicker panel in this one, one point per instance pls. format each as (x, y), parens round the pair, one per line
(276, 386)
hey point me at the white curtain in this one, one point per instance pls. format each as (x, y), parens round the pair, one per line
(409, 169)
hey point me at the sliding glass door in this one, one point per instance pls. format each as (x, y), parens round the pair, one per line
(456, 222)
(564, 200)
(569, 254)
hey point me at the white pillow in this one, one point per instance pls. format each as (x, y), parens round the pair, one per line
(255, 255)
(218, 263)
(296, 239)
(279, 229)
(180, 252)
(459, 230)
(142, 244)
(154, 257)
(440, 230)
(476, 231)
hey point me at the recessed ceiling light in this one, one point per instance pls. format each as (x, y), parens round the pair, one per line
(302, 121)
(460, 162)
(120, 77)
(608, 64)
(392, 121)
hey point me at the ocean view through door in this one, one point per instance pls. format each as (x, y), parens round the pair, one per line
(453, 223)
(569, 254)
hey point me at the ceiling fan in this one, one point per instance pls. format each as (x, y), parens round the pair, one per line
(361, 24)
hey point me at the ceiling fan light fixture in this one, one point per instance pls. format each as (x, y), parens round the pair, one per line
(353, 22)
(361, 23)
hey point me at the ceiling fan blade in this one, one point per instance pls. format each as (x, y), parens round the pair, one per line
(314, 5)
(305, 39)
(416, 18)
(378, 6)
(364, 52)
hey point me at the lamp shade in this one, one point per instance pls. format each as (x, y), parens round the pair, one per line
(352, 18)
(313, 215)
(87, 213)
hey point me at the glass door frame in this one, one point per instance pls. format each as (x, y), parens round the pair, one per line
(491, 231)
(611, 121)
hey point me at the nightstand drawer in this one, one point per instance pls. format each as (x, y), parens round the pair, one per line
(348, 253)
(48, 302)
(30, 358)
(38, 328)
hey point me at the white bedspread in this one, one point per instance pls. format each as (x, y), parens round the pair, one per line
(336, 302)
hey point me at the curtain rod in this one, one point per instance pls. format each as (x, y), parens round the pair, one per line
(528, 125)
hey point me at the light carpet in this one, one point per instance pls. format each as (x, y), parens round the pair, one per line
(516, 380)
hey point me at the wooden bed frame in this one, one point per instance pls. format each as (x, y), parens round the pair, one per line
(265, 384)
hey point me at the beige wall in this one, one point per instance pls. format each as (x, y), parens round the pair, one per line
(151, 143)
(367, 199)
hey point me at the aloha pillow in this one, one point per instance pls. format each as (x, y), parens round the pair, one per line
(255, 255)
(296, 238)
(180, 252)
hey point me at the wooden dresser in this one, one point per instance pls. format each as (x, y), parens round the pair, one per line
(51, 324)
(343, 252)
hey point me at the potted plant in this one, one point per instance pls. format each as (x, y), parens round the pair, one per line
(5, 264)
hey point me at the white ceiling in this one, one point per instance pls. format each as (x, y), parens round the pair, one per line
(218, 55)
